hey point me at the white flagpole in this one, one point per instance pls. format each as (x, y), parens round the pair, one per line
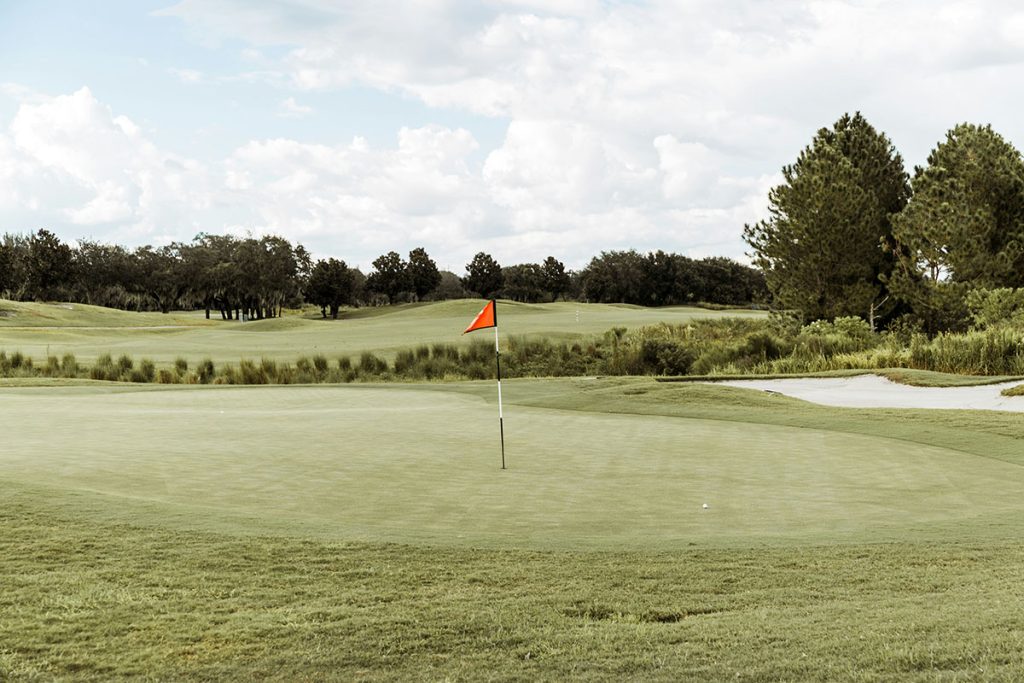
(497, 357)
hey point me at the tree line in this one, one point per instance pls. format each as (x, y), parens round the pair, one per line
(240, 277)
(850, 232)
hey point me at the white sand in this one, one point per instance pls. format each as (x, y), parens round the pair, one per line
(871, 391)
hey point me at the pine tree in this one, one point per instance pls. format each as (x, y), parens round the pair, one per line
(827, 246)
(964, 227)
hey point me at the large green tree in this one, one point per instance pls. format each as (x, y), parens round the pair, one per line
(423, 275)
(331, 284)
(390, 276)
(556, 280)
(826, 247)
(483, 276)
(964, 227)
(50, 266)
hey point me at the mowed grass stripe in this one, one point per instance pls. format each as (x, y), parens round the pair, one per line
(422, 466)
(94, 601)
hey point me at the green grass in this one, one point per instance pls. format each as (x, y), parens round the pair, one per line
(87, 601)
(40, 330)
(367, 533)
(594, 464)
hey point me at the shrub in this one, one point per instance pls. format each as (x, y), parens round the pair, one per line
(104, 369)
(125, 363)
(206, 371)
(69, 365)
(370, 365)
(147, 369)
(250, 373)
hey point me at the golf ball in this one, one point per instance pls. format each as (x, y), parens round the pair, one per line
(705, 506)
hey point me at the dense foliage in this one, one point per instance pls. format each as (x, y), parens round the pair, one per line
(964, 227)
(846, 234)
(249, 277)
(826, 248)
(659, 279)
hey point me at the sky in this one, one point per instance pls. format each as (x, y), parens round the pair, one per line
(523, 128)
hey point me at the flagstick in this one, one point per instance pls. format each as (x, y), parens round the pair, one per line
(497, 358)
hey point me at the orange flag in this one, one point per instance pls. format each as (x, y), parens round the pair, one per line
(485, 318)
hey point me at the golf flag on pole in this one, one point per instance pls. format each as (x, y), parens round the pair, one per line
(488, 317)
(485, 318)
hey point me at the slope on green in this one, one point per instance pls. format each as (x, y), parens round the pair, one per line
(593, 464)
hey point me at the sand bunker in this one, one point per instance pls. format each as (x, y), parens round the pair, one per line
(871, 391)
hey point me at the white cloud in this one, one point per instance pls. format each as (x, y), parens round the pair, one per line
(551, 188)
(657, 124)
(75, 160)
(290, 109)
(187, 76)
(645, 114)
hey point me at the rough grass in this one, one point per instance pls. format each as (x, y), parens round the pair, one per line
(97, 601)
(1017, 390)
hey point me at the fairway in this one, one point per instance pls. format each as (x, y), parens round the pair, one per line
(420, 464)
(39, 330)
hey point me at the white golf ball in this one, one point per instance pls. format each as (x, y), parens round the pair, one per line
(705, 506)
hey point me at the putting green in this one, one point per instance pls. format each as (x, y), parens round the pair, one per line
(421, 464)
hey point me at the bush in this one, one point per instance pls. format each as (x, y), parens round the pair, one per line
(125, 364)
(147, 369)
(206, 371)
(370, 365)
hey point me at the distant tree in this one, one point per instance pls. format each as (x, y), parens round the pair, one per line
(663, 276)
(727, 282)
(360, 292)
(450, 287)
(555, 279)
(6, 268)
(615, 276)
(101, 271)
(524, 282)
(163, 277)
(390, 276)
(49, 266)
(963, 228)
(483, 276)
(330, 286)
(826, 247)
(423, 275)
